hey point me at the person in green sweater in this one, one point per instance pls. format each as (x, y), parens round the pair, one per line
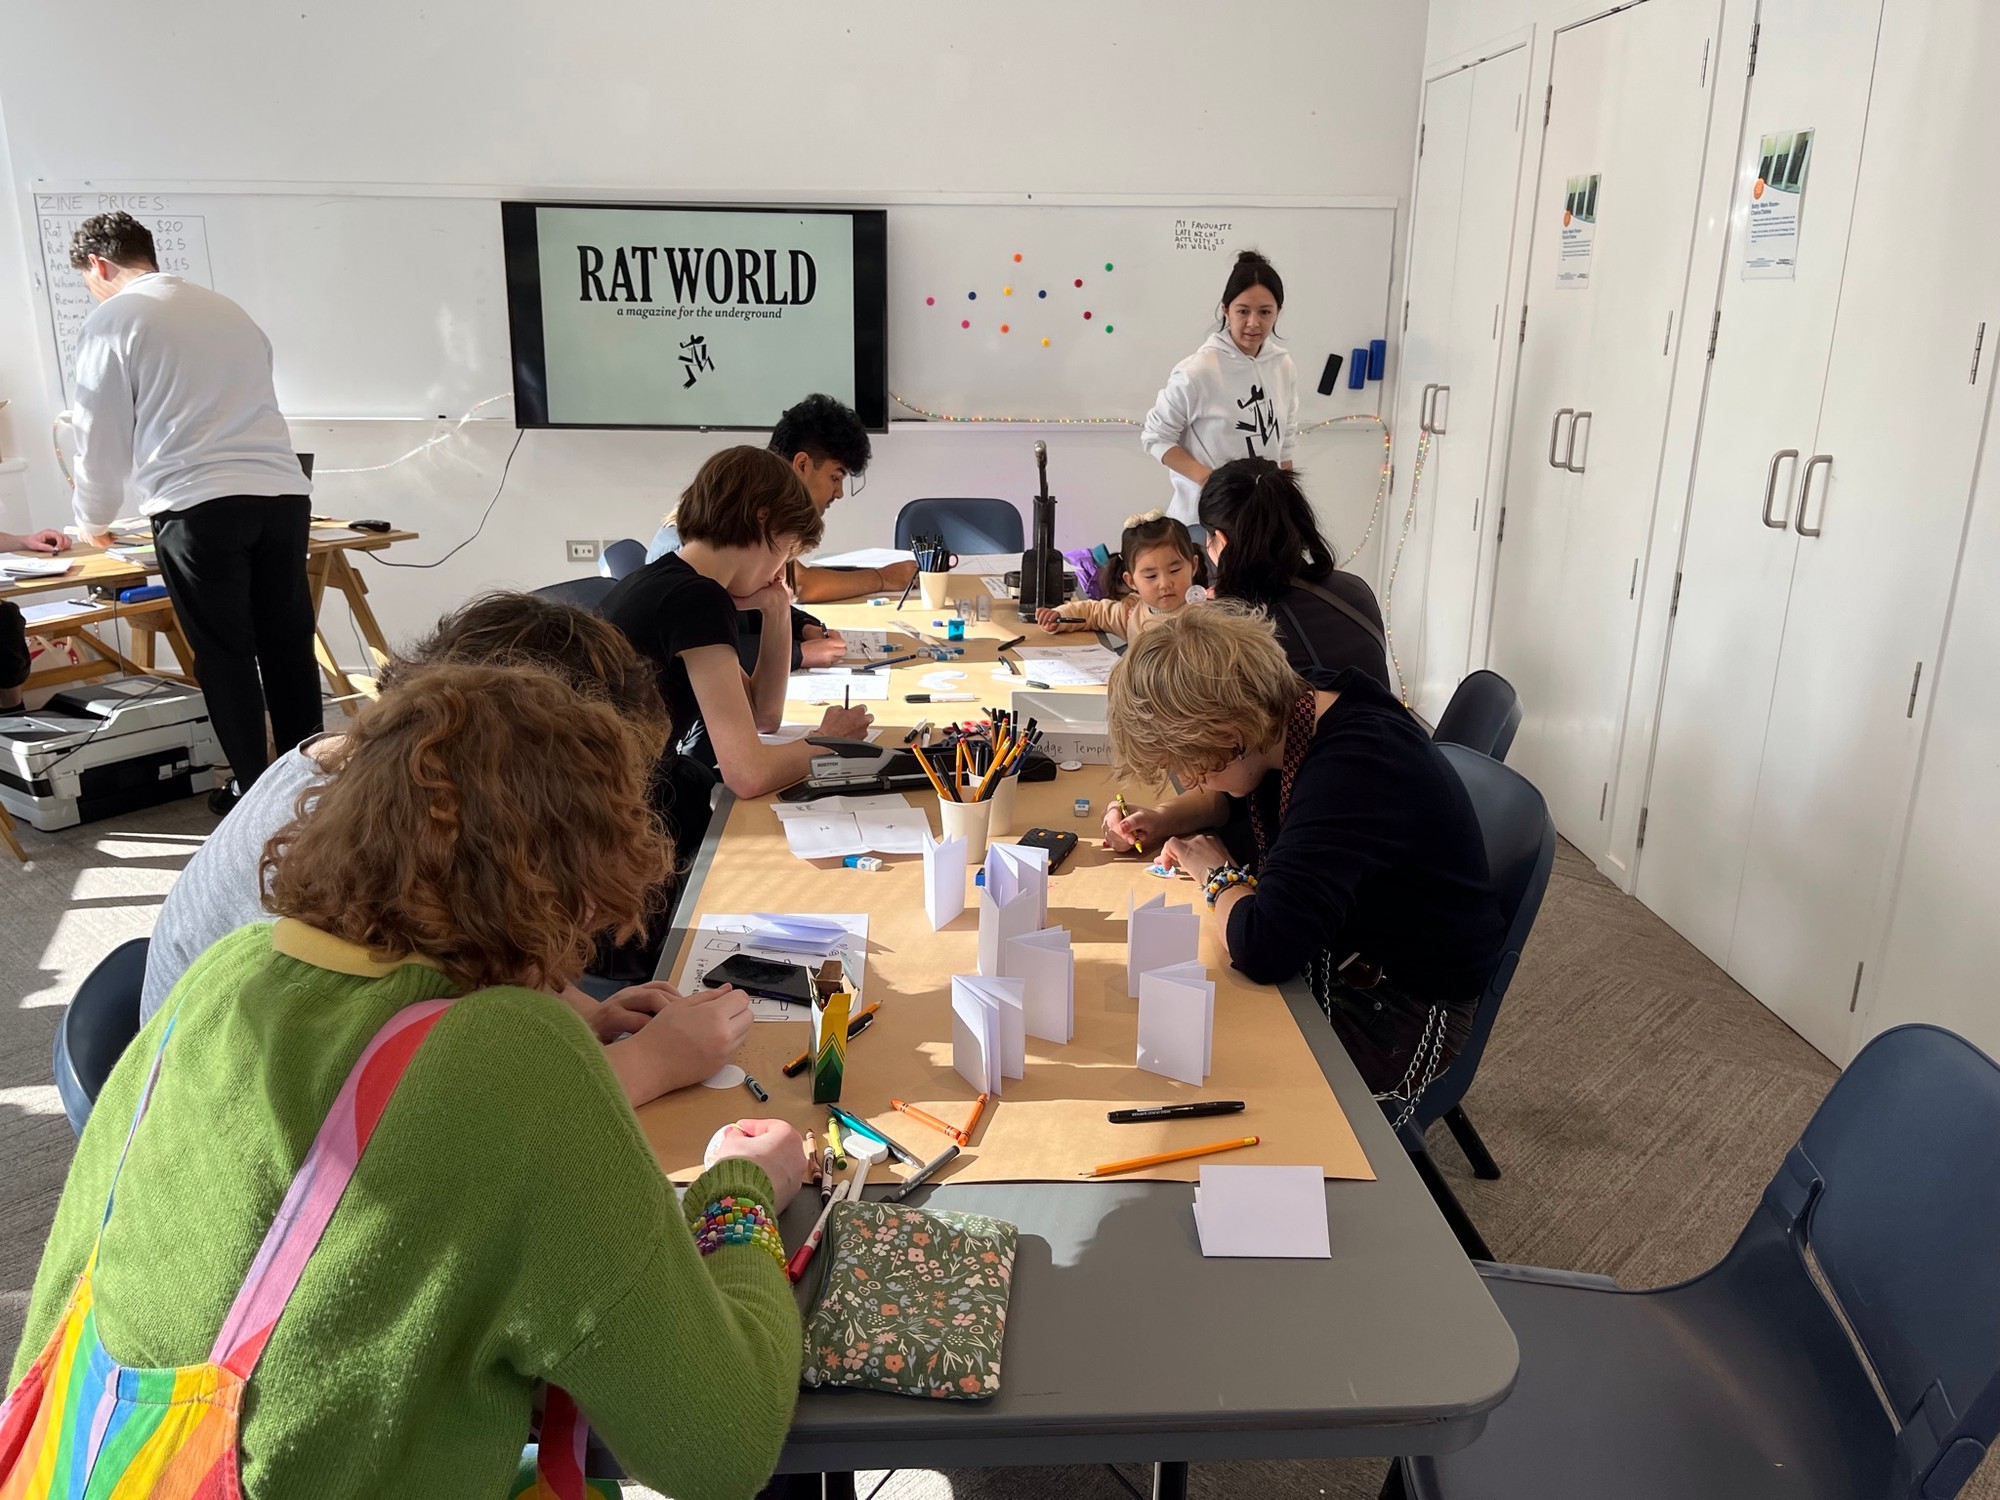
(507, 1225)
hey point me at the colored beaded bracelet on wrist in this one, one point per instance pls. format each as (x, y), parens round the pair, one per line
(1221, 878)
(737, 1221)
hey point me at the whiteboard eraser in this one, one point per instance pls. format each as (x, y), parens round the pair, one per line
(1357, 369)
(1330, 376)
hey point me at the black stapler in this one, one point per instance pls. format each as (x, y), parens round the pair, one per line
(859, 768)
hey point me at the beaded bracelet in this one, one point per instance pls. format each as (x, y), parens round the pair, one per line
(1221, 878)
(737, 1221)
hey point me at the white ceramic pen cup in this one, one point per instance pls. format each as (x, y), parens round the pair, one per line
(936, 588)
(968, 821)
(1000, 823)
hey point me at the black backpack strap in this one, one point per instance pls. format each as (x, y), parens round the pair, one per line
(1375, 631)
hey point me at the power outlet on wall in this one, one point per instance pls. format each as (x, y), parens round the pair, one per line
(582, 552)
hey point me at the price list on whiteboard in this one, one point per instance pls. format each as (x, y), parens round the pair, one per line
(180, 240)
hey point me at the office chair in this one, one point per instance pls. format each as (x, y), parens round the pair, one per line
(97, 1026)
(587, 592)
(967, 526)
(621, 557)
(1483, 714)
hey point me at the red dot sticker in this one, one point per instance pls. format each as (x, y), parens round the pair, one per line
(1003, 328)
(1086, 317)
(1079, 281)
(930, 302)
(965, 323)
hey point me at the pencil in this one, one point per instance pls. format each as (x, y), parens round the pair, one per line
(978, 1109)
(923, 1117)
(924, 760)
(1136, 1163)
(1126, 812)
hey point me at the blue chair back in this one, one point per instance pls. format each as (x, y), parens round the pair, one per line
(1895, 1190)
(587, 592)
(1483, 714)
(968, 526)
(1520, 851)
(621, 557)
(97, 1026)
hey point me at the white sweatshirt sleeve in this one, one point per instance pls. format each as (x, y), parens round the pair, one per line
(1167, 422)
(104, 426)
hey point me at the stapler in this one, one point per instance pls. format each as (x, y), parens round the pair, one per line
(862, 769)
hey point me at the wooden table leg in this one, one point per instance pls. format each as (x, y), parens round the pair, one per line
(112, 654)
(142, 644)
(7, 836)
(343, 575)
(320, 570)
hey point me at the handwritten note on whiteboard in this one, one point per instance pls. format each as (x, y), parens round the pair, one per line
(180, 240)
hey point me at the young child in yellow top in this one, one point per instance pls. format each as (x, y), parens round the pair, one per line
(1152, 576)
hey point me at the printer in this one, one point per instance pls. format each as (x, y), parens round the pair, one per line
(105, 749)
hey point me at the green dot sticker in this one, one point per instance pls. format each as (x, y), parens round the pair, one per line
(1107, 265)
(1107, 328)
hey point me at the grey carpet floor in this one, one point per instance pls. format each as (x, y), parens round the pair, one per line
(1636, 1099)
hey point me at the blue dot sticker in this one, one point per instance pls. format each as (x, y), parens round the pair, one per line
(972, 296)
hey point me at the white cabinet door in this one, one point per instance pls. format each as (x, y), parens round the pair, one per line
(1426, 344)
(1943, 949)
(1631, 103)
(1814, 63)
(1882, 521)
(1454, 517)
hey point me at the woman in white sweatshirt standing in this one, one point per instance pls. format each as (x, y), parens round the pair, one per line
(1237, 396)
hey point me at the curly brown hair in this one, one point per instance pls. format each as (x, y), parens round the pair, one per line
(505, 628)
(488, 819)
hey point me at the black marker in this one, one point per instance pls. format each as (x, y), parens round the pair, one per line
(756, 1089)
(922, 1175)
(1176, 1111)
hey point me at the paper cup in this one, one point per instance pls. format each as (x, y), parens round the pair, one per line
(936, 587)
(1000, 823)
(968, 821)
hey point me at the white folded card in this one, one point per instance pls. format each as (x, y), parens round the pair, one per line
(944, 879)
(1156, 935)
(790, 933)
(1177, 1022)
(1266, 1212)
(989, 1039)
(838, 685)
(1013, 902)
(1043, 962)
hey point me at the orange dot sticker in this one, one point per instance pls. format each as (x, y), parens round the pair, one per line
(1004, 328)
(1017, 257)
(1045, 343)
(1006, 291)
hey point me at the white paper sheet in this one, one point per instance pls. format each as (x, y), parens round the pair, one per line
(788, 734)
(58, 609)
(1066, 666)
(1263, 1212)
(861, 557)
(719, 934)
(1046, 967)
(835, 827)
(945, 863)
(34, 565)
(837, 684)
(1177, 1022)
(1157, 935)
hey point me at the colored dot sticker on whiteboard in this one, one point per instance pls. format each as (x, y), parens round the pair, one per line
(1045, 343)
(1003, 328)
(1006, 291)
(1107, 265)
(1017, 257)
(965, 323)
(1042, 293)
(1079, 281)
(930, 302)
(1107, 328)
(1086, 317)
(972, 296)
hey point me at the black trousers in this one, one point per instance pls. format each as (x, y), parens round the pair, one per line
(235, 568)
(13, 646)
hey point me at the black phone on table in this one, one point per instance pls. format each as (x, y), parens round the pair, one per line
(762, 976)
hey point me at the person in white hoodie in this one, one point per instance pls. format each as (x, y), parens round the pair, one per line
(1237, 396)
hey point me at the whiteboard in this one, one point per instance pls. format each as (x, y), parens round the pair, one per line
(392, 304)
(375, 306)
(1098, 303)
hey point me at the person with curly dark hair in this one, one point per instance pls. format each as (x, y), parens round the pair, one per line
(373, 1120)
(174, 395)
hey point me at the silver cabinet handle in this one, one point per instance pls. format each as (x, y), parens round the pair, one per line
(1424, 407)
(1437, 427)
(1771, 485)
(1569, 453)
(1555, 426)
(1805, 493)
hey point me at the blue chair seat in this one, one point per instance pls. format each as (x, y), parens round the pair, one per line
(1670, 1397)
(96, 1026)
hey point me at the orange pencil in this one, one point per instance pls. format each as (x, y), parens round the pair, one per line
(936, 780)
(978, 1109)
(922, 1117)
(1135, 1163)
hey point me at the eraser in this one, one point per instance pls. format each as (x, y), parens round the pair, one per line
(1082, 806)
(1357, 369)
(1378, 358)
(1330, 376)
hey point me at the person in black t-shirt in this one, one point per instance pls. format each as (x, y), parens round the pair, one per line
(1265, 548)
(745, 516)
(1368, 873)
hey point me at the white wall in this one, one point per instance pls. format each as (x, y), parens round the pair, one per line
(668, 97)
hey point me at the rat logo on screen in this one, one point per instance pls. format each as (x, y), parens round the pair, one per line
(686, 275)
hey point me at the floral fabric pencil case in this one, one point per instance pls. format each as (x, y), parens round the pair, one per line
(912, 1301)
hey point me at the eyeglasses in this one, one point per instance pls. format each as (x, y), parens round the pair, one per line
(854, 482)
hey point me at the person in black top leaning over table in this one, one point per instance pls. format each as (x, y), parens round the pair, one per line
(1368, 874)
(1265, 548)
(741, 521)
